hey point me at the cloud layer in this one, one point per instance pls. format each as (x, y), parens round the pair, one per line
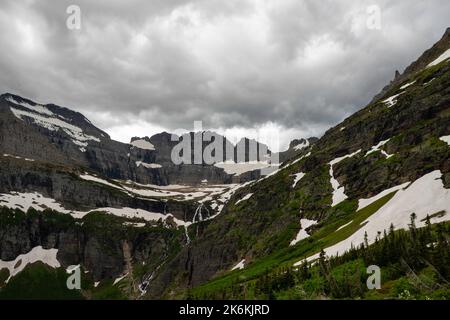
(138, 67)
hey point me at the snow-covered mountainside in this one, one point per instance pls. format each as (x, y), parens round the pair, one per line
(146, 228)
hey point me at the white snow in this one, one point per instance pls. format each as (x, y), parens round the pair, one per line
(299, 159)
(342, 129)
(425, 196)
(239, 266)
(392, 101)
(427, 83)
(17, 157)
(362, 203)
(134, 224)
(343, 226)
(445, 139)
(24, 201)
(143, 144)
(89, 177)
(441, 58)
(96, 284)
(36, 108)
(246, 197)
(77, 135)
(37, 254)
(223, 197)
(144, 192)
(135, 213)
(378, 148)
(302, 145)
(298, 177)
(154, 186)
(338, 191)
(239, 168)
(117, 280)
(148, 165)
(302, 234)
(407, 85)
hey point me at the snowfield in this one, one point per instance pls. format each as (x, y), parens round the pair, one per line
(89, 177)
(297, 160)
(302, 234)
(338, 191)
(143, 144)
(407, 85)
(441, 58)
(302, 145)
(425, 196)
(392, 101)
(445, 139)
(37, 254)
(298, 177)
(117, 280)
(148, 165)
(17, 157)
(35, 108)
(378, 148)
(239, 266)
(362, 203)
(76, 134)
(246, 197)
(24, 201)
(343, 226)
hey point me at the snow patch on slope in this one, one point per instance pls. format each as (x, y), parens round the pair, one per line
(117, 280)
(378, 148)
(343, 226)
(24, 201)
(35, 108)
(239, 266)
(246, 197)
(425, 196)
(362, 203)
(298, 177)
(302, 145)
(445, 139)
(407, 85)
(148, 165)
(89, 177)
(392, 101)
(37, 254)
(17, 157)
(142, 144)
(338, 191)
(441, 58)
(302, 234)
(239, 168)
(76, 134)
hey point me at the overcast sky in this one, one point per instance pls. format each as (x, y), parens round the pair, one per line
(138, 67)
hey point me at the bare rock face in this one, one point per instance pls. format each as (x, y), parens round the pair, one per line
(57, 135)
(95, 242)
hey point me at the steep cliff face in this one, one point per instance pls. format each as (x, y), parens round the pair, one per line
(105, 246)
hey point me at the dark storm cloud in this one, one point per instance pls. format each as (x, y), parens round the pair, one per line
(302, 65)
